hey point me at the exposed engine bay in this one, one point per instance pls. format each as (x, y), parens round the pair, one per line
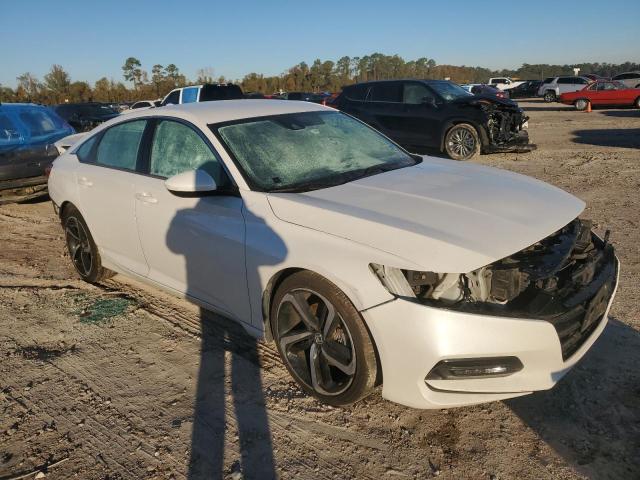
(566, 278)
(506, 127)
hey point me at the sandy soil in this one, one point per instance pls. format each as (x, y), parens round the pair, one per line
(122, 381)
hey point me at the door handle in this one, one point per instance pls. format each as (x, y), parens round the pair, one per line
(146, 197)
(85, 182)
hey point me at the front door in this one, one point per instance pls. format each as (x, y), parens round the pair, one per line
(106, 177)
(193, 245)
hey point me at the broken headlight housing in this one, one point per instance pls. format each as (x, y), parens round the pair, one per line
(533, 279)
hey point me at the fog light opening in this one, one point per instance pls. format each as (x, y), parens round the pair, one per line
(467, 368)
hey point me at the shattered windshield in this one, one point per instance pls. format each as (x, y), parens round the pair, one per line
(308, 150)
(449, 91)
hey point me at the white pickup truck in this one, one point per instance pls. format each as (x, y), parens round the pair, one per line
(504, 83)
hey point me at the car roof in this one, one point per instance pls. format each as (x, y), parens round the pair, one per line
(228, 110)
(21, 105)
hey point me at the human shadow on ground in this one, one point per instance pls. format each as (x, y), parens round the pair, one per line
(592, 417)
(210, 233)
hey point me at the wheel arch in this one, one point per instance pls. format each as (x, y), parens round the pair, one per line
(267, 298)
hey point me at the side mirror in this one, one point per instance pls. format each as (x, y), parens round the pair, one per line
(193, 181)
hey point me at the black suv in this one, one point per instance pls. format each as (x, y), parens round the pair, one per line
(85, 116)
(437, 114)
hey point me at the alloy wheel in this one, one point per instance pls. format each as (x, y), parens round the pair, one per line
(79, 246)
(462, 142)
(315, 342)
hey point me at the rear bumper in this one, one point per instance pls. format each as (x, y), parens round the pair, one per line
(412, 338)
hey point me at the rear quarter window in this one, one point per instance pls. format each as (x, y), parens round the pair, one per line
(356, 92)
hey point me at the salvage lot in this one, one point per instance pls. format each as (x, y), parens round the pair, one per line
(106, 382)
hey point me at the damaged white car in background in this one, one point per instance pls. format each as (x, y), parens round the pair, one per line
(448, 283)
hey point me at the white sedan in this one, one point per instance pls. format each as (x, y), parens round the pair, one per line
(448, 283)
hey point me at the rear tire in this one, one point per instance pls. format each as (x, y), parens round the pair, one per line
(82, 249)
(581, 104)
(322, 340)
(637, 103)
(462, 142)
(549, 96)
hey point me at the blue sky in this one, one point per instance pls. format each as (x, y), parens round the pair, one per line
(91, 39)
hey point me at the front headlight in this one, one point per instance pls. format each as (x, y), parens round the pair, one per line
(418, 284)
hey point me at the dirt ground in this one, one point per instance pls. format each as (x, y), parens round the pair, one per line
(121, 381)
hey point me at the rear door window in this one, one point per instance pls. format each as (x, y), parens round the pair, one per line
(119, 145)
(565, 80)
(549, 80)
(386, 92)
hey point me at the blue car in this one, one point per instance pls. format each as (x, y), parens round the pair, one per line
(27, 136)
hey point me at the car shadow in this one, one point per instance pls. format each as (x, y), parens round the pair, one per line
(549, 107)
(229, 390)
(609, 137)
(592, 417)
(630, 113)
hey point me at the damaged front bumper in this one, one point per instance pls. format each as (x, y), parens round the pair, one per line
(542, 307)
(506, 129)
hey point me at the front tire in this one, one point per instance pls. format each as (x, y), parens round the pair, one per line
(462, 142)
(82, 249)
(581, 104)
(322, 340)
(549, 96)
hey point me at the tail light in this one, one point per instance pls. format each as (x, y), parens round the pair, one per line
(47, 170)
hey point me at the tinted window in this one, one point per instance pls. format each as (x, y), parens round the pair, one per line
(356, 92)
(190, 95)
(416, 93)
(386, 92)
(549, 80)
(565, 80)
(582, 81)
(84, 152)
(173, 98)
(119, 145)
(220, 92)
(177, 148)
(140, 105)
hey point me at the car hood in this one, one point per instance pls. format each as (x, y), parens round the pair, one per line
(439, 215)
(485, 97)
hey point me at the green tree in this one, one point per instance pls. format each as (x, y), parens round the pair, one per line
(133, 71)
(57, 81)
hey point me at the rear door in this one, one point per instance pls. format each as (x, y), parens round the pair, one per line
(194, 245)
(385, 108)
(106, 176)
(565, 85)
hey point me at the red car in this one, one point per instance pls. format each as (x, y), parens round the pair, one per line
(603, 92)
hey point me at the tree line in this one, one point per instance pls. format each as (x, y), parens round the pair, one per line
(327, 75)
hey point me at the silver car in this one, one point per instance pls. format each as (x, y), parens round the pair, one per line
(553, 87)
(630, 79)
